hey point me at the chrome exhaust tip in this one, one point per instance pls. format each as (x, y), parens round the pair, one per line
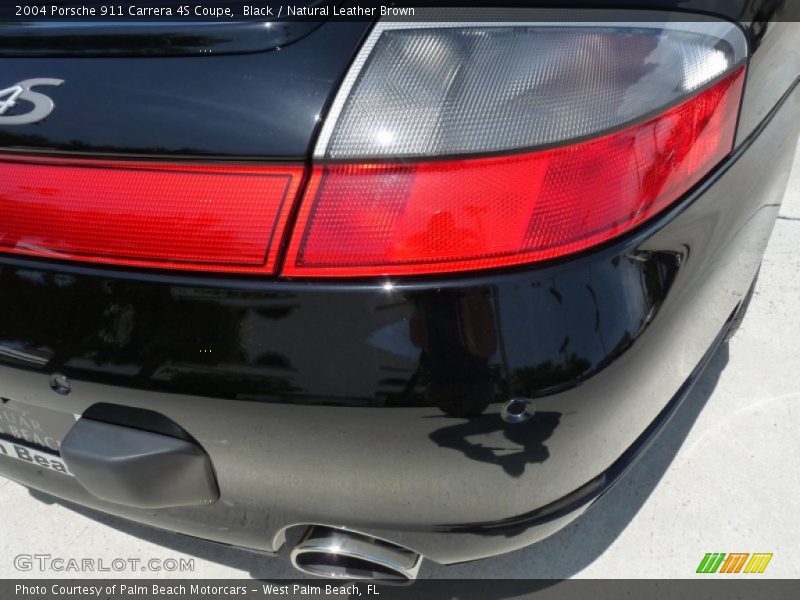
(338, 554)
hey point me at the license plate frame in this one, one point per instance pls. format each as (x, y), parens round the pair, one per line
(34, 426)
(33, 456)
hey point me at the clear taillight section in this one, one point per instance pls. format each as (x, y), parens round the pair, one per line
(361, 219)
(460, 147)
(441, 89)
(202, 217)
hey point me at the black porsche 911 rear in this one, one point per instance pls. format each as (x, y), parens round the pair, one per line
(420, 288)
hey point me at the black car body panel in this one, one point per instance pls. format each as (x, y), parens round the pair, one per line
(97, 39)
(375, 405)
(103, 38)
(236, 106)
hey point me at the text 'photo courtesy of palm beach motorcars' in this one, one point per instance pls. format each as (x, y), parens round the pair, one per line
(373, 291)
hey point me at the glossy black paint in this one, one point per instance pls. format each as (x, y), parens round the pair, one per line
(375, 404)
(103, 39)
(264, 104)
(444, 343)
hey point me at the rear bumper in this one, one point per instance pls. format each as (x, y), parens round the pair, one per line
(376, 407)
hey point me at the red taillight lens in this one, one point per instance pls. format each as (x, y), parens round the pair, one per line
(200, 217)
(445, 216)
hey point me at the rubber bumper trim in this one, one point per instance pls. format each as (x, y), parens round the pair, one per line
(138, 468)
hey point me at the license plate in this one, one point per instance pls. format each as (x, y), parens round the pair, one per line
(33, 456)
(33, 434)
(34, 426)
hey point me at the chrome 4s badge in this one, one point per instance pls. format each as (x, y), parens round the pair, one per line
(42, 105)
